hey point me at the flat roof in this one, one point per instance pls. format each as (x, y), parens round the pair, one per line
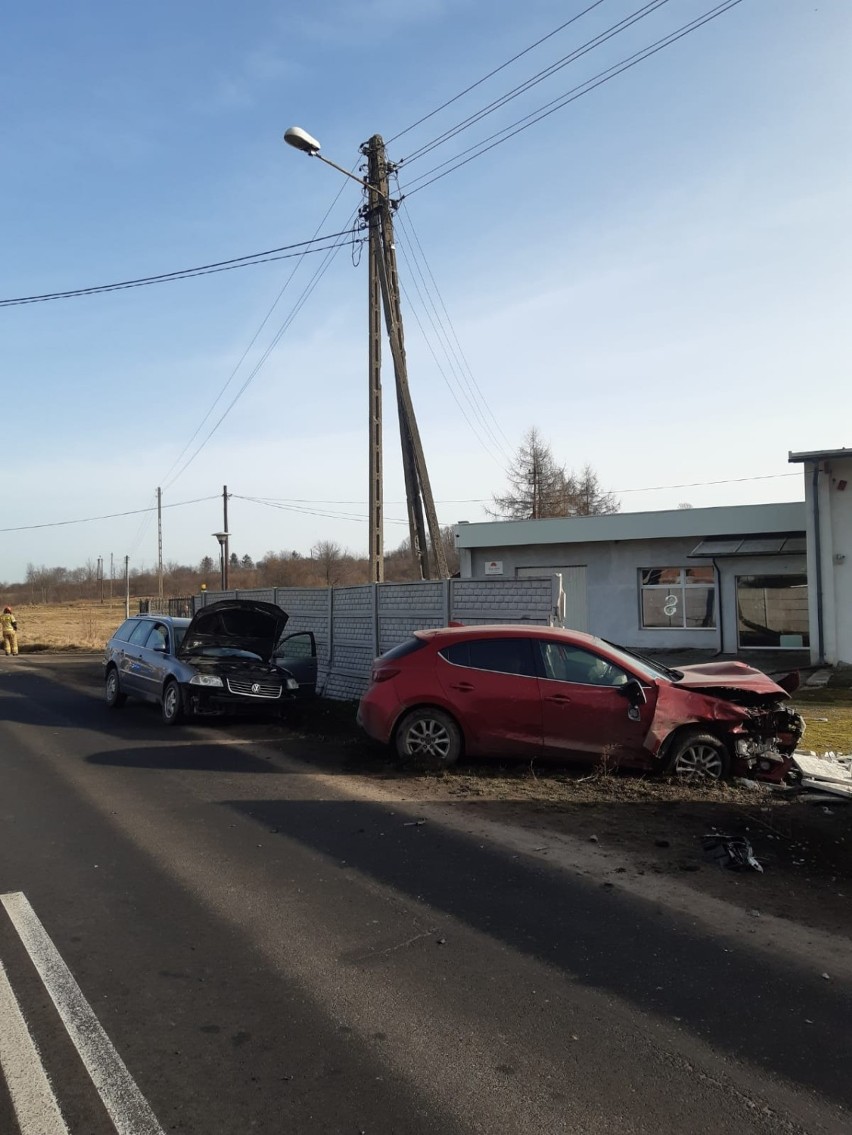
(729, 520)
(819, 455)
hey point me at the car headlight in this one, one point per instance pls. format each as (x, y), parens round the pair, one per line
(205, 680)
(292, 684)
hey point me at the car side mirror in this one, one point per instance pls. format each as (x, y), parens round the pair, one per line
(160, 648)
(634, 691)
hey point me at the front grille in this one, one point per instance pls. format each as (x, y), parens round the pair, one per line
(248, 689)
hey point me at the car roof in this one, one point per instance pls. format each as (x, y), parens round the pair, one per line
(508, 630)
(174, 620)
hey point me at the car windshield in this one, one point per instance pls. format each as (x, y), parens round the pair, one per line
(647, 667)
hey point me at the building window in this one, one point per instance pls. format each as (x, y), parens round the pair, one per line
(678, 598)
(772, 611)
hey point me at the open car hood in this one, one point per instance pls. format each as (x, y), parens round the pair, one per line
(718, 677)
(245, 624)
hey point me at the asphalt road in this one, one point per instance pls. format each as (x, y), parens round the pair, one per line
(204, 935)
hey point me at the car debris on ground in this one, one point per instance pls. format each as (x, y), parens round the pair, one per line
(828, 775)
(733, 852)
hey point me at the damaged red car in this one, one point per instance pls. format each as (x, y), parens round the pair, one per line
(529, 691)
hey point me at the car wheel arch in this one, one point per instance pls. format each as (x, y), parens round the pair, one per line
(695, 729)
(421, 705)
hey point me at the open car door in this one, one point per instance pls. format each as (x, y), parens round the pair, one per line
(297, 653)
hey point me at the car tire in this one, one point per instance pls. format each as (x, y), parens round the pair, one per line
(115, 699)
(698, 757)
(428, 739)
(171, 704)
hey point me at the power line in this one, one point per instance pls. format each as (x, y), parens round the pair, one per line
(184, 273)
(359, 518)
(521, 124)
(496, 71)
(457, 351)
(254, 339)
(482, 441)
(485, 500)
(294, 311)
(107, 516)
(539, 77)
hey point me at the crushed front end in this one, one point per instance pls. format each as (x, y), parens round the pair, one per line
(764, 743)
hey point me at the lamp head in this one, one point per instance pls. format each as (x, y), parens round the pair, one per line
(300, 139)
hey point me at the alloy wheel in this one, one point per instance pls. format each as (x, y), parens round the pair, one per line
(699, 762)
(428, 738)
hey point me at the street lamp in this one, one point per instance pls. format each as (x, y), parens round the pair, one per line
(222, 537)
(300, 139)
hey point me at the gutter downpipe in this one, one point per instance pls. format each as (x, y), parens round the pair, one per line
(818, 557)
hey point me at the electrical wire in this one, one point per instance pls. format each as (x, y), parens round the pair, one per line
(294, 311)
(359, 518)
(531, 119)
(455, 345)
(107, 516)
(474, 430)
(185, 273)
(252, 342)
(539, 77)
(496, 71)
(486, 500)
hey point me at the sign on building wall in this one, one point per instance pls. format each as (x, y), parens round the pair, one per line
(494, 567)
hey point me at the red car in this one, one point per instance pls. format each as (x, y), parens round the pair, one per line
(538, 691)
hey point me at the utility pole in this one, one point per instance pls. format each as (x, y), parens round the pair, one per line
(101, 578)
(376, 507)
(225, 546)
(418, 490)
(160, 543)
(127, 587)
(111, 574)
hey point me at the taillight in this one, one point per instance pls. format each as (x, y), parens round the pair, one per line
(384, 674)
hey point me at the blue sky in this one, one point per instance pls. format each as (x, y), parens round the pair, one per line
(657, 275)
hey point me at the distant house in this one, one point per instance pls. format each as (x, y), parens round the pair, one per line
(727, 579)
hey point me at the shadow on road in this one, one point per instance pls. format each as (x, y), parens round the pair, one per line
(191, 757)
(758, 1009)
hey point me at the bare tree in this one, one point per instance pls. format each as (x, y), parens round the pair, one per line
(535, 483)
(583, 495)
(331, 560)
(539, 487)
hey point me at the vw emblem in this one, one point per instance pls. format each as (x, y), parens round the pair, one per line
(255, 687)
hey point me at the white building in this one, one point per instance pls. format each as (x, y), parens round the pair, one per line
(720, 579)
(828, 501)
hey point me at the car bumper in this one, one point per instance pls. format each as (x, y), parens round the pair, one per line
(215, 702)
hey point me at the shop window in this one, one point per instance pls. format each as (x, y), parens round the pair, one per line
(678, 598)
(772, 611)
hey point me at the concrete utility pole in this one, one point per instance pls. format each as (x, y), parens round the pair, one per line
(226, 545)
(418, 490)
(160, 543)
(127, 587)
(374, 411)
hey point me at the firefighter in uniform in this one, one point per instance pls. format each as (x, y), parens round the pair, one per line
(9, 625)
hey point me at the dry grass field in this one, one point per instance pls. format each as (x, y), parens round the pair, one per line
(83, 626)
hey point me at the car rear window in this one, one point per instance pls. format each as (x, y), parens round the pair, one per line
(126, 629)
(502, 655)
(407, 647)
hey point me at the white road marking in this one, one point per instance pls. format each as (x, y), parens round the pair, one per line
(127, 1107)
(32, 1097)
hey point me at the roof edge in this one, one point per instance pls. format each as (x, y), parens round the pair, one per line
(817, 455)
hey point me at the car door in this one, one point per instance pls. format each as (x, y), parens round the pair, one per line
(586, 714)
(130, 660)
(492, 687)
(297, 653)
(153, 661)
